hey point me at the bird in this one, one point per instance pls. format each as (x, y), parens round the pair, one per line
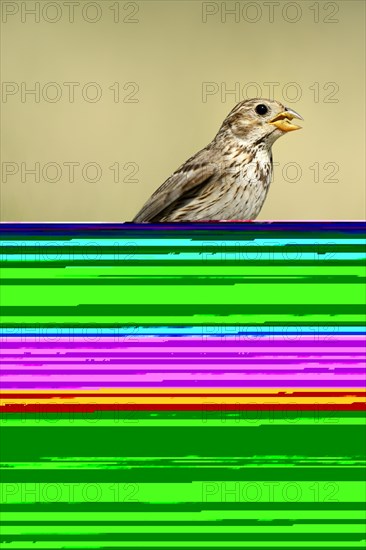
(229, 178)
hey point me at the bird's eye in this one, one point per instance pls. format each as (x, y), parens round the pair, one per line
(261, 109)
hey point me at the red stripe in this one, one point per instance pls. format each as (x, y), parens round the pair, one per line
(49, 395)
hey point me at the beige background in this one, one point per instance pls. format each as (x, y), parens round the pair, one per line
(169, 53)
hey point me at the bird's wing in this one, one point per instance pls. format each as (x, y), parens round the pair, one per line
(191, 175)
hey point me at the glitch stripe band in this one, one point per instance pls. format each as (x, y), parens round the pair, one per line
(183, 385)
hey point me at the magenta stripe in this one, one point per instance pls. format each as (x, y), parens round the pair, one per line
(163, 362)
(285, 383)
(245, 347)
(334, 367)
(264, 343)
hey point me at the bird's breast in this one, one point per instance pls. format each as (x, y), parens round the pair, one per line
(249, 183)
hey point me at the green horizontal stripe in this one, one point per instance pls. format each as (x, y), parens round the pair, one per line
(187, 281)
(203, 247)
(167, 545)
(215, 494)
(227, 262)
(292, 440)
(282, 536)
(262, 531)
(198, 517)
(192, 418)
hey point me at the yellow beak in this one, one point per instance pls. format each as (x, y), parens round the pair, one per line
(283, 120)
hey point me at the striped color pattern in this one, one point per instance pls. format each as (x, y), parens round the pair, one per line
(183, 386)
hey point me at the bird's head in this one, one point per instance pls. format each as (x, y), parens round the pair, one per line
(256, 120)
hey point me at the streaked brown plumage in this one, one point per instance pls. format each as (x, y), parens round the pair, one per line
(228, 179)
